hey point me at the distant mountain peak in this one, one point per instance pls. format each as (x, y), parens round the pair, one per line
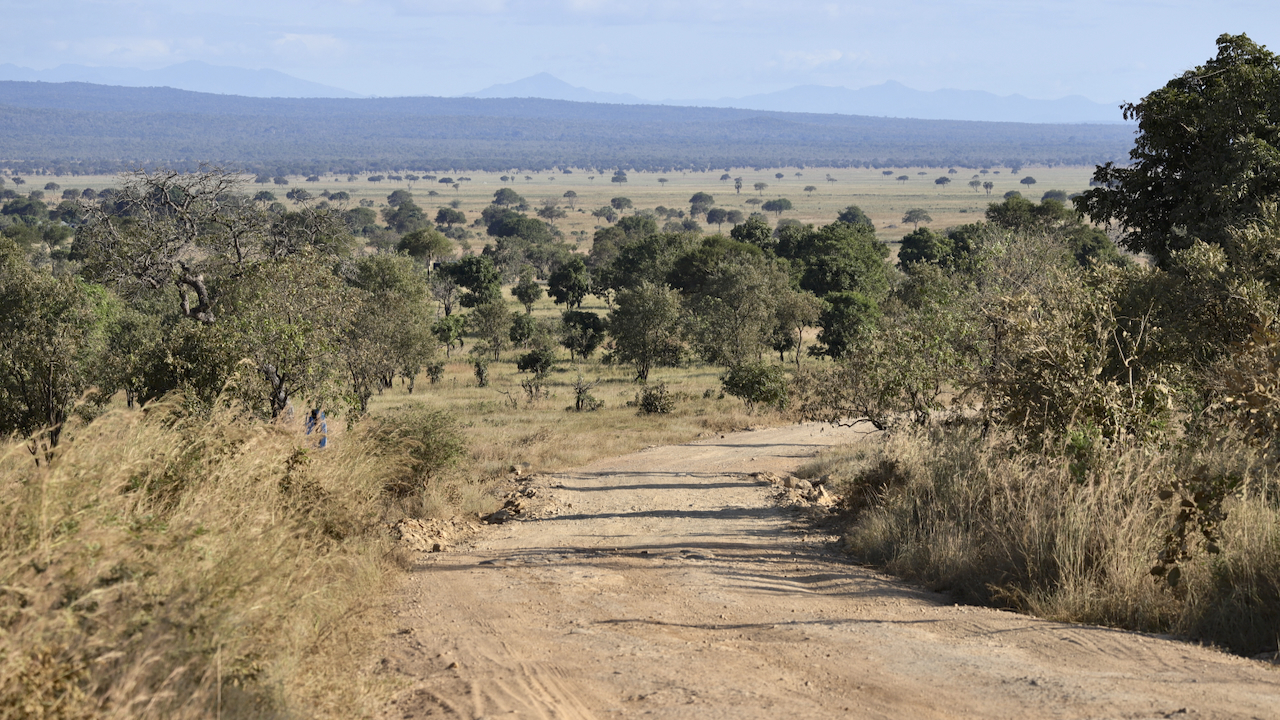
(890, 98)
(893, 99)
(549, 87)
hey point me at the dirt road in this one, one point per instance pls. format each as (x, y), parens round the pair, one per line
(668, 585)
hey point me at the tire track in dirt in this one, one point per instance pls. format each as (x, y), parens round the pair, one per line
(668, 585)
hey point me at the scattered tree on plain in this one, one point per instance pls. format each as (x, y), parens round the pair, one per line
(915, 216)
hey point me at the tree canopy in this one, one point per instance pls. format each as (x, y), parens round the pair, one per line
(854, 216)
(1206, 158)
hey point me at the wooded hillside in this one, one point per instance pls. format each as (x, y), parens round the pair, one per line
(79, 127)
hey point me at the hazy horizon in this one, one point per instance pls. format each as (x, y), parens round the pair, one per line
(475, 92)
(1105, 51)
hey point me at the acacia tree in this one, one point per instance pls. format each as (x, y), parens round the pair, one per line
(855, 216)
(915, 216)
(405, 217)
(449, 217)
(491, 323)
(170, 231)
(550, 212)
(700, 203)
(581, 332)
(796, 310)
(426, 246)
(167, 229)
(507, 197)
(777, 207)
(390, 333)
(271, 275)
(478, 275)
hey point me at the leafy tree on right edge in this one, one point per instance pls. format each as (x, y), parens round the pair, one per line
(1205, 158)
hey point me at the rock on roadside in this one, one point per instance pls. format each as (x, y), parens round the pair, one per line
(791, 491)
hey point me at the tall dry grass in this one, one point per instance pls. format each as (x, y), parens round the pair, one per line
(1066, 536)
(164, 565)
(169, 566)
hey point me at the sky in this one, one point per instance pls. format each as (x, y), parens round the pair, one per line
(1106, 50)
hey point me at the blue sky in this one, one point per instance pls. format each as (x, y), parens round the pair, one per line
(1105, 50)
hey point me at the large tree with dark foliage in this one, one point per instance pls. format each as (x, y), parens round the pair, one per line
(1207, 155)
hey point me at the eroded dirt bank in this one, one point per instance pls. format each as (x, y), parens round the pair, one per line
(666, 584)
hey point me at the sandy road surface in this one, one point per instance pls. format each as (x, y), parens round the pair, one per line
(669, 586)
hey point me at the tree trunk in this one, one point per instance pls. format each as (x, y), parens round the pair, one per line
(279, 397)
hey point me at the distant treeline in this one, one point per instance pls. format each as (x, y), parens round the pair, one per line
(79, 128)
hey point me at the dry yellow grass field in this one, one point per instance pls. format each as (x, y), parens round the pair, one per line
(881, 196)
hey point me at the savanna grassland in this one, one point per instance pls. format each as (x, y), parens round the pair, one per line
(881, 196)
(1075, 395)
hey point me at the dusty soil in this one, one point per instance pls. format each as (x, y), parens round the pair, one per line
(668, 583)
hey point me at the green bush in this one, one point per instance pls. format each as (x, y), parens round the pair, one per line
(654, 399)
(539, 362)
(435, 372)
(757, 384)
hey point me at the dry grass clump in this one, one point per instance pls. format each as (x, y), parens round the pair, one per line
(169, 566)
(1072, 536)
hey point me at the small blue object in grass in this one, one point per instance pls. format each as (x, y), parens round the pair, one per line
(316, 423)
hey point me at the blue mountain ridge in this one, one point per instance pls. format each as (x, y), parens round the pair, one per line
(888, 99)
(194, 75)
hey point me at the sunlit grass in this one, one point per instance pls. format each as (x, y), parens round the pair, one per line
(882, 197)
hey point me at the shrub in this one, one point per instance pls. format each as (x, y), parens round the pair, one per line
(654, 399)
(425, 443)
(757, 384)
(435, 372)
(539, 362)
(583, 400)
